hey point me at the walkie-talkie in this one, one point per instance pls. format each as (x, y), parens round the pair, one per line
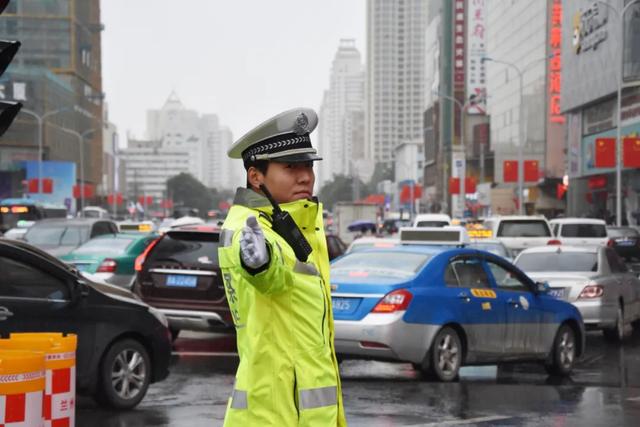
(285, 226)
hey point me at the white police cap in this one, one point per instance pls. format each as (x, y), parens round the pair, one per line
(283, 138)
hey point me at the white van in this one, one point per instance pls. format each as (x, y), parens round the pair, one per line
(579, 231)
(519, 232)
(431, 220)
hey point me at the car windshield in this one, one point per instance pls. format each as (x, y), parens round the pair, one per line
(365, 266)
(106, 247)
(523, 228)
(186, 249)
(623, 232)
(558, 261)
(583, 230)
(58, 235)
(494, 248)
(432, 224)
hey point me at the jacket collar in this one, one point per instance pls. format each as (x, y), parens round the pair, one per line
(303, 211)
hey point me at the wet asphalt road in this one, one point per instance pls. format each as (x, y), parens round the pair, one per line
(603, 391)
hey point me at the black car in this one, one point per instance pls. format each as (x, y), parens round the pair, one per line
(123, 344)
(626, 241)
(60, 236)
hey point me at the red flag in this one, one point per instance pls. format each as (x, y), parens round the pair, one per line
(47, 185)
(454, 185)
(469, 185)
(631, 153)
(32, 185)
(88, 190)
(605, 153)
(531, 171)
(510, 171)
(141, 200)
(405, 194)
(149, 200)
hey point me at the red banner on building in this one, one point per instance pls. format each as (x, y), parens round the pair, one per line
(531, 171)
(88, 191)
(510, 171)
(631, 153)
(33, 187)
(605, 156)
(469, 185)
(405, 194)
(148, 200)
(117, 198)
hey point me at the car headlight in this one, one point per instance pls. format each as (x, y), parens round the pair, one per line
(160, 316)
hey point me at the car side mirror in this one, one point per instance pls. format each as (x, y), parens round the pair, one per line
(80, 290)
(542, 287)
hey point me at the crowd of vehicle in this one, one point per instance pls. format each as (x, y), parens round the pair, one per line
(437, 293)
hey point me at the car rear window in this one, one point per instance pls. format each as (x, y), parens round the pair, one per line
(107, 247)
(57, 235)
(583, 230)
(187, 249)
(368, 265)
(623, 232)
(558, 261)
(523, 228)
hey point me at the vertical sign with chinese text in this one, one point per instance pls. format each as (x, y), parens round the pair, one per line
(476, 50)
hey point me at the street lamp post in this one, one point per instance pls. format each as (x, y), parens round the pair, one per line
(462, 107)
(620, 14)
(81, 137)
(41, 120)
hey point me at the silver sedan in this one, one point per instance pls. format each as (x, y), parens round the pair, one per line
(592, 278)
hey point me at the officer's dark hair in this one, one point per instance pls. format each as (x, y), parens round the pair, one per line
(261, 165)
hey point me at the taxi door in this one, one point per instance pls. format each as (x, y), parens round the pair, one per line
(477, 307)
(524, 313)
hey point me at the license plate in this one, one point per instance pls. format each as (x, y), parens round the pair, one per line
(625, 243)
(343, 305)
(557, 293)
(182, 281)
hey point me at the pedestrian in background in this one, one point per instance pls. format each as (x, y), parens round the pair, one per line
(280, 299)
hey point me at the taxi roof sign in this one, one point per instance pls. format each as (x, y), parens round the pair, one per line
(448, 235)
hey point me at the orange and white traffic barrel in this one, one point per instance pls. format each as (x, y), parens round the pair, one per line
(60, 365)
(22, 382)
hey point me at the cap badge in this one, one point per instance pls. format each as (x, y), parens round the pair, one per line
(301, 125)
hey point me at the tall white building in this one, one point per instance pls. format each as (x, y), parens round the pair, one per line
(179, 140)
(201, 136)
(395, 82)
(341, 109)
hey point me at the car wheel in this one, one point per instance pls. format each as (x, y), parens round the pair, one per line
(445, 356)
(563, 353)
(616, 333)
(125, 374)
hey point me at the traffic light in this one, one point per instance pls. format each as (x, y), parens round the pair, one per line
(8, 49)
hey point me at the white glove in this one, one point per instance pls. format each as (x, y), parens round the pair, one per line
(253, 248)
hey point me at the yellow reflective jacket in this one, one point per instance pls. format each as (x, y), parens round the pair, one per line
(288, 373)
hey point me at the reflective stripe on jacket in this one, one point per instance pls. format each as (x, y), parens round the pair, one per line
(288, 373)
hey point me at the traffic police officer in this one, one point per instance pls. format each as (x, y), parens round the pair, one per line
(281, 306)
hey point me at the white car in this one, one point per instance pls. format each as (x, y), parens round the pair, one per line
(431, 220)
(519, 232)
(579, 231)
(592, 278)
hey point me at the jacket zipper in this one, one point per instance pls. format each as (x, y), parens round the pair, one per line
(324, 310)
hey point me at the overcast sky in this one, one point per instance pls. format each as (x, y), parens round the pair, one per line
(243, 60)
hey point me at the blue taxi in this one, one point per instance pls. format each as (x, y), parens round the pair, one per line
(440, 306)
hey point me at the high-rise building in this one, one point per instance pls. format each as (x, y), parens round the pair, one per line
(58, 69)
(339, 113)
(179, 140)
(395, 80)
(524, 41)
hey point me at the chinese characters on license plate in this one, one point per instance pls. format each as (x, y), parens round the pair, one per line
(182, 281)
